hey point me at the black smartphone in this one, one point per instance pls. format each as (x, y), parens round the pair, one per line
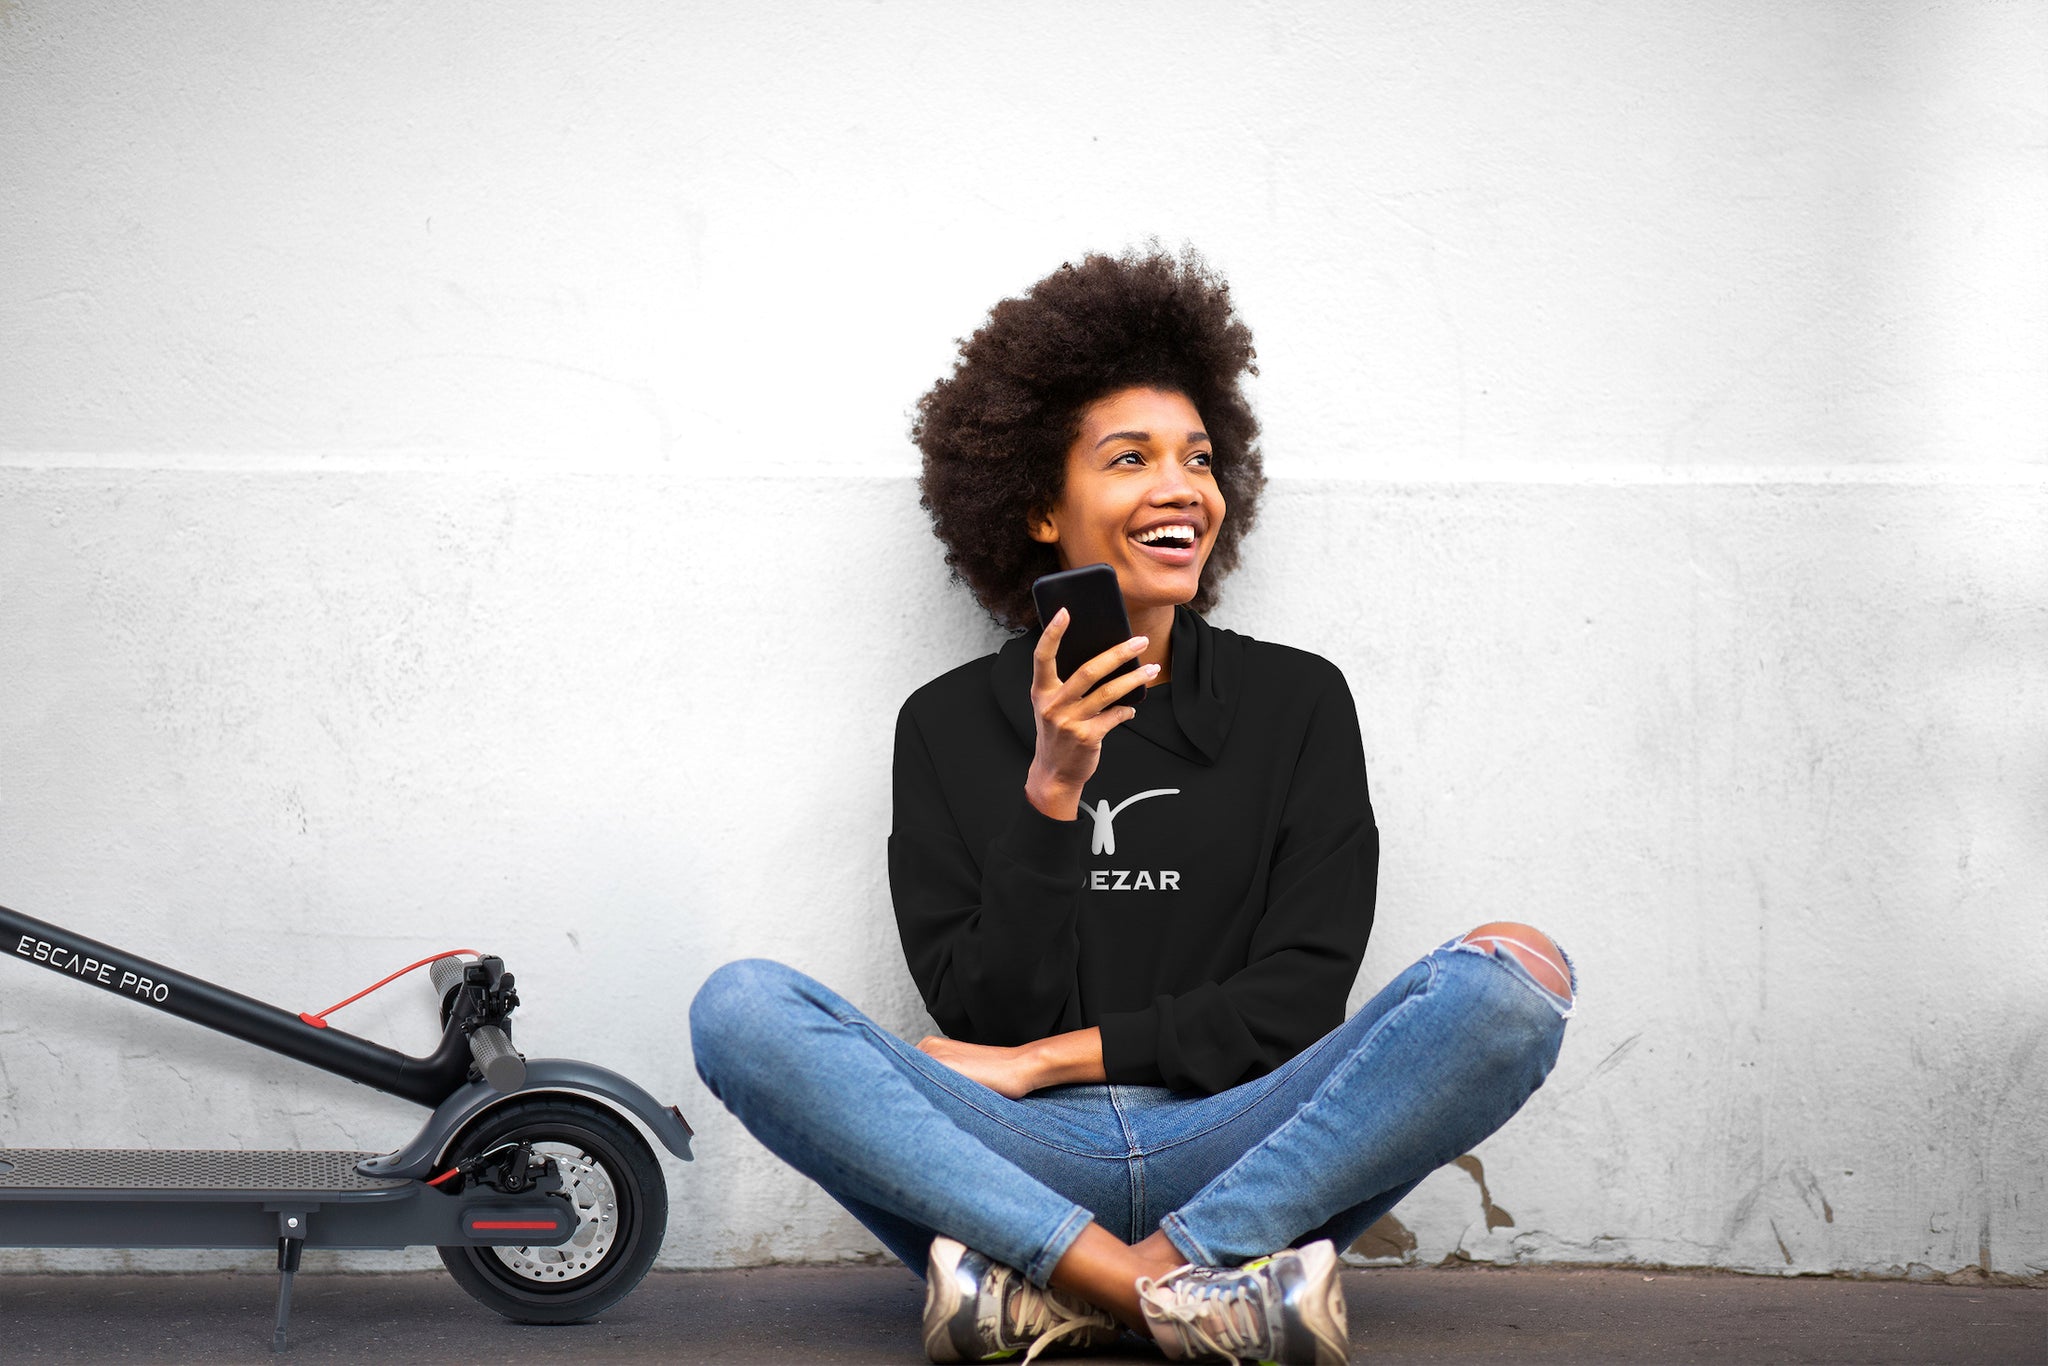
(1095, 619)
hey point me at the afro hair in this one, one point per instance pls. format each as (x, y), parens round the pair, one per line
(995, 432)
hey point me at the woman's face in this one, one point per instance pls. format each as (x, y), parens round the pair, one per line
(1140, 495)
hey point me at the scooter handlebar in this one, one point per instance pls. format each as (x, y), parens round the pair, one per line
(446, 974)
(495, 1057)
(492, 1048)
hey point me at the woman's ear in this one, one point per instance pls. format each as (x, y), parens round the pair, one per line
(1038, 523)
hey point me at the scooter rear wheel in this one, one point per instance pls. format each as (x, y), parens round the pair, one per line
(621, 1205)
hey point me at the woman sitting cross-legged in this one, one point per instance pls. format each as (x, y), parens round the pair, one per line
(1138, 918)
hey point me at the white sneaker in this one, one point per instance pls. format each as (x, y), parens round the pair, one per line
(976, 1309)
(1288, 1307)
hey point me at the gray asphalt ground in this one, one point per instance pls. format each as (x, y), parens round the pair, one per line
(870, 1314)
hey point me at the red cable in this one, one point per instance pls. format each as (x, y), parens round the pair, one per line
(319, 1021)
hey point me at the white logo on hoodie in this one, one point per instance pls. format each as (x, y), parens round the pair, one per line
(1103, 838)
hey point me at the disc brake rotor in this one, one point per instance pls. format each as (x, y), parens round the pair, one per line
(589, 1187)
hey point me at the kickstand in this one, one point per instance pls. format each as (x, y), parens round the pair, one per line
(291, 1239)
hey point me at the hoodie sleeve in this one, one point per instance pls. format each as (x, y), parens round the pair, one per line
(991, 945)
(1304, 954)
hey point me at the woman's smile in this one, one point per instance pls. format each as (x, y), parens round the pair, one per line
(1171, 542)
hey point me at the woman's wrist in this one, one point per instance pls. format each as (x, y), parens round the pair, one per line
(1054, 799)
(1066, 1059)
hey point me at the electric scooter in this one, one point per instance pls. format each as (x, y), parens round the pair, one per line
(544, 1200)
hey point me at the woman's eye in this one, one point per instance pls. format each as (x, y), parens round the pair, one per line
(1128, 455)
(1203, 458)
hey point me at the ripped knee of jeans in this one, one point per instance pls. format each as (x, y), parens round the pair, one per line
(1533, 955)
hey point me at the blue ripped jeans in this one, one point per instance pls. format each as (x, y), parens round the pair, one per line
(1318, 1148)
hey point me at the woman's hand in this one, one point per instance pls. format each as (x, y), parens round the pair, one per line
(1006, 1071)
(1017, 1072)
(1072, 719)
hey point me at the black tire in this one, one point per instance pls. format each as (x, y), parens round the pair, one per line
(622, 1201)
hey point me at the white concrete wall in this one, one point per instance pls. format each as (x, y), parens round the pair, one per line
(453, 475)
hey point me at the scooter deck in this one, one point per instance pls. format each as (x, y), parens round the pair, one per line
(181, 1197)
(171, 1172)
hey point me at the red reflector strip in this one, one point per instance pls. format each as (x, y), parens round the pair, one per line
(516, 1223)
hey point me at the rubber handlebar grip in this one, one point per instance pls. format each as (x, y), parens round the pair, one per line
(502, 1067)
(446, 974)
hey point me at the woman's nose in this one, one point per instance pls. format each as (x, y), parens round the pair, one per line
(1173, 485)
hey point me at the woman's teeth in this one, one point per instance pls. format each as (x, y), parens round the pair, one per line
(1176, 537)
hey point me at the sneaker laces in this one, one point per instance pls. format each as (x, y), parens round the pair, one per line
(1222, 1315)
(1046, 1318)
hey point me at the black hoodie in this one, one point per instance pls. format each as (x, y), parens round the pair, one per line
(1208, 909)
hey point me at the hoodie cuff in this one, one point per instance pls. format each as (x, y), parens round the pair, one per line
(1042, 845)
(1130, 1047)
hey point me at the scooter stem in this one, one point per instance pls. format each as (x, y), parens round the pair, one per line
(424, 1081)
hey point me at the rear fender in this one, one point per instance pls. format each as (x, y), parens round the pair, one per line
(544, 1077)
